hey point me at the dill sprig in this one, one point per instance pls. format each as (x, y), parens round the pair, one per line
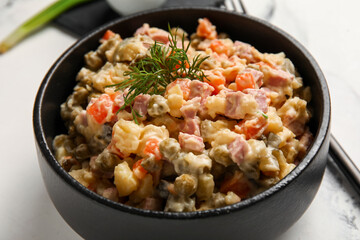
(264, 114)
(153, 73)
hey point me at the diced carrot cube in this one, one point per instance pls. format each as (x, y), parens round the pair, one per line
(244, 80)
(219, 47)
(138, 170)
(253, 128)
(100, 108)
(206, 29)
(108, 34)
(215, 79)
(152, 147)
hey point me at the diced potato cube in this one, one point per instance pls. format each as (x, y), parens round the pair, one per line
(125, 180)
(274, 121)
(83, 176)
(175, 102)
(231, 198)
(126, 135)
(285, 135)
(215, 105)
(145, 189)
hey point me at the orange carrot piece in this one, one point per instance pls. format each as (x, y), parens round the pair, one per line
(108, 34)
(138, 170)
(206, 29)
(99, 109)
(244, 80)
(152, 147)
(253, 128)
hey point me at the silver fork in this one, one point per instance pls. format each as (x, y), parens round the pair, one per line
(235, 5)
(267, 13)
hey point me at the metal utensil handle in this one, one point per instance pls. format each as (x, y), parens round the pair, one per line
(235, 5)
(344, 162)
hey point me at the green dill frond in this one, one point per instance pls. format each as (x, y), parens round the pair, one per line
(164, 65)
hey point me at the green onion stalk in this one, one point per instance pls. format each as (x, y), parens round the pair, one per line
(37, 22)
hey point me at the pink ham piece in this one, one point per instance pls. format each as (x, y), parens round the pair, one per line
(275, 77)
(83, 118)
(305, 141)
(155, 34)
(234, 105)
(190, 142)
(260, 97)
(279, 78)
(257, 75)
(111, 193)
(238, 149)
(191, 107)
(150, 203)
(160, 36)
(200, 89)
(296, 125)
(143, 30)
(244, 50)
(141, 103)
(191, 126)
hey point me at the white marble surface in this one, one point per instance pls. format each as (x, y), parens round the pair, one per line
(328, 28)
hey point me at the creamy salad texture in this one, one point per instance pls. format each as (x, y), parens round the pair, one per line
(227, 123)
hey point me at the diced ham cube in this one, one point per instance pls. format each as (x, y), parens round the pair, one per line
(143, 29)
(200, 89)
(260, 98)
(305, 141)
(275, 77)
(159, 36)
(150, 203)
(191, 126)
(191, 107)
(238, 149)
(111, 193)
(279, 78)
(244, 50)
(191, 142)
(82, 118)
(141, 103)
(239, 104)
(155, 34)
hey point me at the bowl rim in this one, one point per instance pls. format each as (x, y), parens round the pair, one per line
(319, 138)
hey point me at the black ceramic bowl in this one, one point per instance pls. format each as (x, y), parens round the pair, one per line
(266, 215)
